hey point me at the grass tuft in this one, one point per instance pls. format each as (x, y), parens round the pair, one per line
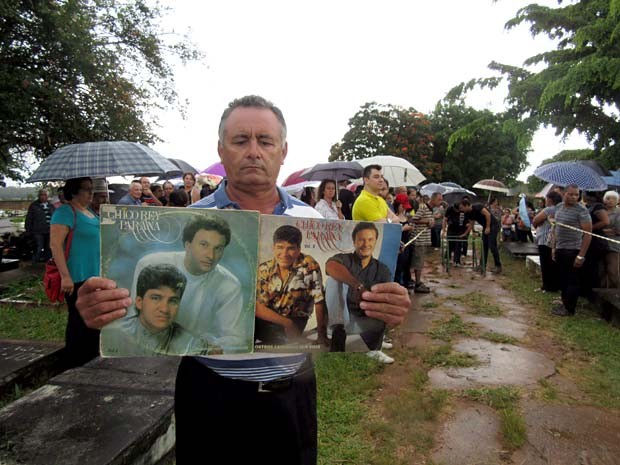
(40, 323)
(480, 304)
(446, 329)
(504, 400)
(498, 338)
(444, 357)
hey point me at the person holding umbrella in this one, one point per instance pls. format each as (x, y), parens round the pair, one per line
(77, 219)
(327, 206)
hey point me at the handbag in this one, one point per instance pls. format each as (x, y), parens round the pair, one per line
(51, 279)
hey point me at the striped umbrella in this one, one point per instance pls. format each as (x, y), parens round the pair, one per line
(103, 159)
(563, 173)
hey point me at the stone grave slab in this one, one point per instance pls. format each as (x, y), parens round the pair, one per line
(499, 325)
(500, 364)
(110, 411)
(609, 302)
(470, 436)
(25, 363)
(570, 435)
(521, 249)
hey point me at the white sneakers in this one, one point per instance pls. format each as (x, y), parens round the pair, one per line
(387, 345)
(380, 356)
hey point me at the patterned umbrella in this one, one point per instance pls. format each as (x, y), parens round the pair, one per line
(491, 185)
(103, 159)
(563, 173)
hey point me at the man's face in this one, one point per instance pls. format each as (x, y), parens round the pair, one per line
(413, 194)
(286, 254)
(146, 184)
(43, 197)
(135, 190)
(571, 196)
(204, 252)
(158, 308)
(99, 198)
(374, 182)
(464, 208)
(436, 201)
(365, 241)
(252, 150)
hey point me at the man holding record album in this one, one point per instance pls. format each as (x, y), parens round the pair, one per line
(246, 408)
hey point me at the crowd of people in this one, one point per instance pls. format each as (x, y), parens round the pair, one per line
(280, 390)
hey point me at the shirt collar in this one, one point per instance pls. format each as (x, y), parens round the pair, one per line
(223, 201)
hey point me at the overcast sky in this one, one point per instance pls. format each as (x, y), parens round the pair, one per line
(320, 61)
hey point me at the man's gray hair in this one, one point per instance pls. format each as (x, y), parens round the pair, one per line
(253, 101)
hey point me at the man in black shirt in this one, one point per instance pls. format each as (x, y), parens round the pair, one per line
(481, 215)
(347, 198)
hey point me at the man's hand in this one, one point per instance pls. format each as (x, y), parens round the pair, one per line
(100, 302)
(388, 302)
(487, 230)
(291, 331)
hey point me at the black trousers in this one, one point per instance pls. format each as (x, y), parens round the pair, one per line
(570, 278)
(548, 270)
(489, 241)
(81, 342)
(222, 420)
(403, 267)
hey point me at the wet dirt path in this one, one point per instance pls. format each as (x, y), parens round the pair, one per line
(475, 317)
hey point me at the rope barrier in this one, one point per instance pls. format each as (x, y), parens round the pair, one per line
(554, 223)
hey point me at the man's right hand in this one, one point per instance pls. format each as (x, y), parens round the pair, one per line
(100, 302)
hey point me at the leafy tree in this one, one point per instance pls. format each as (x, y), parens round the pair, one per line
(81, 70)
(378, 129)
(577, 85)
(475, 144)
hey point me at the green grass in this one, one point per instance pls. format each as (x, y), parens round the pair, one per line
(505, 401)
(444, 357)
(585, 332)
(40, 323)
(444, 330)
(498, 338)
(547, 391)
(479, 303)
(345, 383)
(30, 288)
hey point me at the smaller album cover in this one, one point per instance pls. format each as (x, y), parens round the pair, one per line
(311, 276)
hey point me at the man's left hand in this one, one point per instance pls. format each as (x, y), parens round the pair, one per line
(388, 302)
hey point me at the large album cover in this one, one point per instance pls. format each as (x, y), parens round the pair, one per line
(192, 277)
(311, 275)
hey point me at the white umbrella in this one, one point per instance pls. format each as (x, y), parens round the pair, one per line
(397, 171)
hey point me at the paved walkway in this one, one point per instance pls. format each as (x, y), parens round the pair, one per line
(557, 433)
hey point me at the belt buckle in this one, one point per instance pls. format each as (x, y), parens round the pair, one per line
(275, 385)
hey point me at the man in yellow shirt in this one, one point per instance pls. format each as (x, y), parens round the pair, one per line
(370, 206)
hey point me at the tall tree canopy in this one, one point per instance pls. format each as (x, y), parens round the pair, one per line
(475, 144)
(81, 70)
(378, 129)
(577, 85)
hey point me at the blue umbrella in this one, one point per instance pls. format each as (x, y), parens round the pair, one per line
(613, 180)
(563, 173)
